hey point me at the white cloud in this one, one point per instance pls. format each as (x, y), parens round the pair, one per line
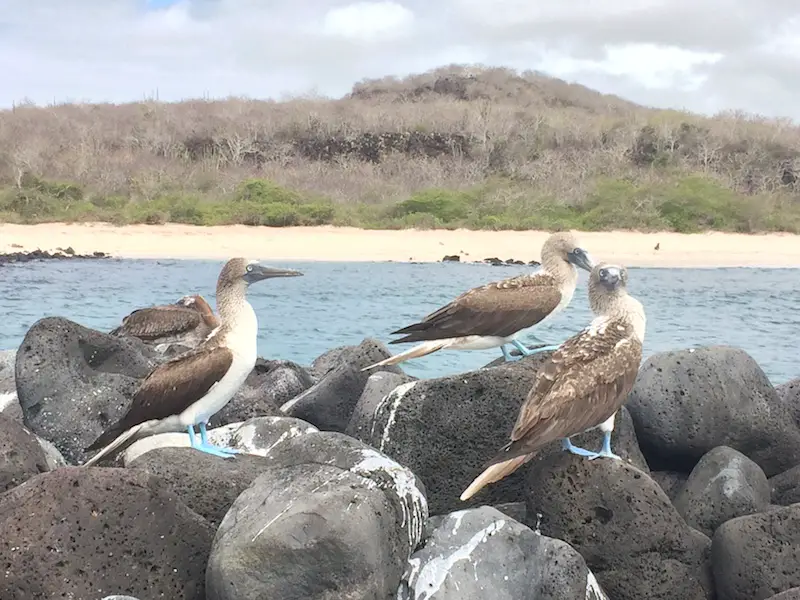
(706, 56)
(369, 21)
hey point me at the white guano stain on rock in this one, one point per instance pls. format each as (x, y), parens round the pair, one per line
(7, 400)
(593, 590)
(427, 579)
(396, 395)
(413, 501)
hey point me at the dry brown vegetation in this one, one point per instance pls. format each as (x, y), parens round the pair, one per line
(481, 147)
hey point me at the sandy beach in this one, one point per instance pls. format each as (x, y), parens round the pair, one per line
(273, 245)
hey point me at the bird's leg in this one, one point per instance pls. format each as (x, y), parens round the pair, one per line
(605, 451)
(527, 352)
(209, 448)
(192, 437)
(567, 445)
(507, 354)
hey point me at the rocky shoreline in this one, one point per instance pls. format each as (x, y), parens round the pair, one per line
(38, 254)
(350, 482)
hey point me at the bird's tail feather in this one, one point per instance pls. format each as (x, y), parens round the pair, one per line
(494, 473)
(422, 349)
(117, 441)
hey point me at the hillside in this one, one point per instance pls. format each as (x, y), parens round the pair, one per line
(484, 148)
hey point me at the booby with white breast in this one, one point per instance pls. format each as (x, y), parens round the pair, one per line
(188, 321)
(188, 390)
(583, 383)
(494, 314)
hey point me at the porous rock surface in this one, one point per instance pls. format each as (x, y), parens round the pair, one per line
(481, 553)
(789, 395)
(209, 484)
(687, 402)
(725, 484)
(623, 525)
(21, 455)
(330, 402)
(73, 381)
(445, 429)
(378, 386)
(271, 384)
(756, 556)
(331, 519)
(83, 533)
(785, 487)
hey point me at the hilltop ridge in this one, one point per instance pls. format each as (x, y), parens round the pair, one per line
(459, 146)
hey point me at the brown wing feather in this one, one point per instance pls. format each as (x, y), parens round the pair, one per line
(580, 386)
(171, 388)
(499, 308)
(159, 321)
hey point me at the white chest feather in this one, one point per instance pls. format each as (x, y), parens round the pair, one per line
(242, 339)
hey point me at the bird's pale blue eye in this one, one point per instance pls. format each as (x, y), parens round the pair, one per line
(249, 267)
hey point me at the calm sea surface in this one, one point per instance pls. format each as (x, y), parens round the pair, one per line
(341, 303)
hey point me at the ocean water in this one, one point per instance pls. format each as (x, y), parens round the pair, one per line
(338, 304)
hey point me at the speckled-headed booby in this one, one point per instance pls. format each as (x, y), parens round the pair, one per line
(494, 314)
(188, 321)
(187, 390)
(583, 384)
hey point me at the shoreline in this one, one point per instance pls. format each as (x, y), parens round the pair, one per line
(350, 244)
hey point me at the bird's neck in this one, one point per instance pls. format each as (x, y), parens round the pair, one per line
(239, 326)
(621, 305)
(563, 272)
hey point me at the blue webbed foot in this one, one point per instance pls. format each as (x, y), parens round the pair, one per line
(567, 445)
(507, 355)
(208, 447)
(605, 451)
(525, 351)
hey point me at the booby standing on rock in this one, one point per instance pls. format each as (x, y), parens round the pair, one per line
(583, 384)
(494, 314)
(187, 390)
(188, 321)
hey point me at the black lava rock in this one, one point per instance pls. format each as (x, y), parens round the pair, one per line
(756, 556)
(687, 402)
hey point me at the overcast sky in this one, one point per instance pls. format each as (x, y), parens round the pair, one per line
(703, 55)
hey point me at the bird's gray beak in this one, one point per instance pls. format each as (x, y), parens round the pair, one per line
(581, 259)
(258, 273)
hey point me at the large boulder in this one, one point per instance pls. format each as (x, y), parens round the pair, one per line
(332, 518)
(21, 455)
(686, 402)
(785, 487)
(481, 553)
(271, 384)
(756, 556)
(623, 525)
(378, 386)
(725, 484)
(330, 402)
(9, 404)
(73, 381)
(209, 484)
(73, 532)
(789, 395)
(445, 429)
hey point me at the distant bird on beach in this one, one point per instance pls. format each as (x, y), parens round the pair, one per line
(494, 314)
(583, 384)
(188, 321)
(658, 246)
(188, 390)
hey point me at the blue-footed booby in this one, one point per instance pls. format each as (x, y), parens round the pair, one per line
(494, 314)
(187, 390)
(583, 383)
(188, 321)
